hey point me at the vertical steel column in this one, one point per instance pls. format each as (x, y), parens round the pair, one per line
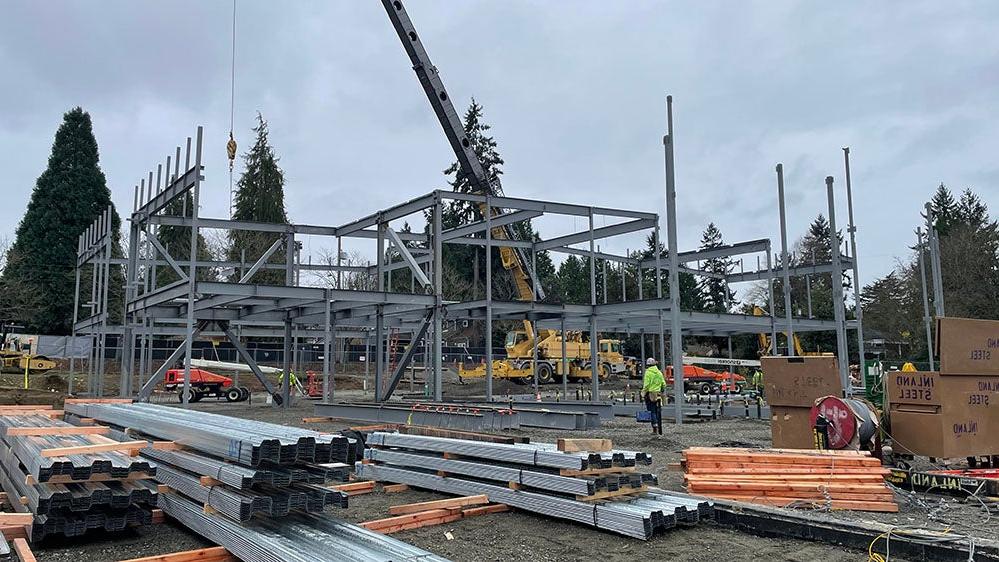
(289, 350)
(327, 344)
(92, 305)
(657, 242)
(489, 298)
(594, 337)
(106, 279)
(534, 325)
(380, 312)
(339, 260)
(76, 315)
(933, 244)
(785, 257)
(286, 365)
(927, 319)
(439, 299)
(193, 256)
(852, 229)
(603, 273)
(839, 311)
(770, 291)
(624, 275)
(676, 330)
(565, 360)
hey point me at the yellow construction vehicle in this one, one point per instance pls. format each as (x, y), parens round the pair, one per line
(767, 348)
(520, 358)
(14, 358)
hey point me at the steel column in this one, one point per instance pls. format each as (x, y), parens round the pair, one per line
(852, 229)
(839, 310)
(927, 319)
(676, 341)
(785, 257)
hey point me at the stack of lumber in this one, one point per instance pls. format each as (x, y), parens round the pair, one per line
(583, 480)
(423, 514)
(67, 480)
(851, 480)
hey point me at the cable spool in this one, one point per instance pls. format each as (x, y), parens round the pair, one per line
(853, 423)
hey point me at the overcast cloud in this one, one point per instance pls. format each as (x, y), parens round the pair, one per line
(575, 92)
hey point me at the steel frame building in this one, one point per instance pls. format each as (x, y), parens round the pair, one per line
(190, 307)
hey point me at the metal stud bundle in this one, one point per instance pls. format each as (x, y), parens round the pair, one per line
(262, 496)
(72, 479)
(601, 489)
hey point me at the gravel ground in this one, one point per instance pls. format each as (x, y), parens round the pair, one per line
(498, 536)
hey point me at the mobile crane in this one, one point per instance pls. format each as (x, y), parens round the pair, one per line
(519, 362)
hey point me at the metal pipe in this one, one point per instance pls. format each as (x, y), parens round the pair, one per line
(785, 257)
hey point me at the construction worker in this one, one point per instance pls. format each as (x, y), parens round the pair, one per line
(653, 384)
(757, 382)
(294, 382)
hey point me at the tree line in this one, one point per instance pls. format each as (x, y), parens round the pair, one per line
(36, 285)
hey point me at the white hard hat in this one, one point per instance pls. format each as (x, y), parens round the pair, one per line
(650, 361)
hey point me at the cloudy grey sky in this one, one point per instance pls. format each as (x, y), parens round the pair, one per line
(575, 92)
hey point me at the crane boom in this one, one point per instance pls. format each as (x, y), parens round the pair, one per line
(512, 258)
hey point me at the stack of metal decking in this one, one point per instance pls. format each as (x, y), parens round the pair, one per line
(239, 468)
(72, 479)
(605, 489)
(258, 489)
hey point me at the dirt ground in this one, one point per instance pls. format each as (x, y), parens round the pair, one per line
(531, 537)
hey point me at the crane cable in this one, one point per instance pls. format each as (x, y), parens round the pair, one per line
(231, 145)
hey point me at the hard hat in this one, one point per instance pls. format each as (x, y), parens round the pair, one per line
(650, 361)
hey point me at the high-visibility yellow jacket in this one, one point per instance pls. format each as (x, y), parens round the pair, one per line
(653, 380)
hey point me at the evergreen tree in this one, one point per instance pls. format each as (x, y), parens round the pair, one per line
(259, 198)
(459, 260)
(944, 207)
(716, 294)
(691, 298)
(177, 241)
(574, 280)
(38, 280)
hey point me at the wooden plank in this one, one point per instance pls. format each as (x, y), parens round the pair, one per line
(486, 509)
(394, 488)
(421, 523)
(354, 486)
(58, 430)
(407, 518)
(26, 406)
(23, 551)
(166, 446)
(211, 554)
(47, 413)
(439, 504)
(746, 468)
(209, 481)
(598, 471)
(616, 493)
(796, 486)
(96, 448)
(16, 518)
(158, 516)
(317, 419)
(875, 478)
(575, 445)
(13, 532)
(87, 421)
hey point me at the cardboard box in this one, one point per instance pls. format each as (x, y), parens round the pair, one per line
(799, 381)
(790, 427)
(944, 415)
(968, 347)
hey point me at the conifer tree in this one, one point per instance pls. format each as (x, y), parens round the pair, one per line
(38, 280)
(716, 294)
(945, 208)
(259, 198)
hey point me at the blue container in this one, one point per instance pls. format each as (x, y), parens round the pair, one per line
(643, 416)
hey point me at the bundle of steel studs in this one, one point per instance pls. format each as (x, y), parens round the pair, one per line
(605, 489)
